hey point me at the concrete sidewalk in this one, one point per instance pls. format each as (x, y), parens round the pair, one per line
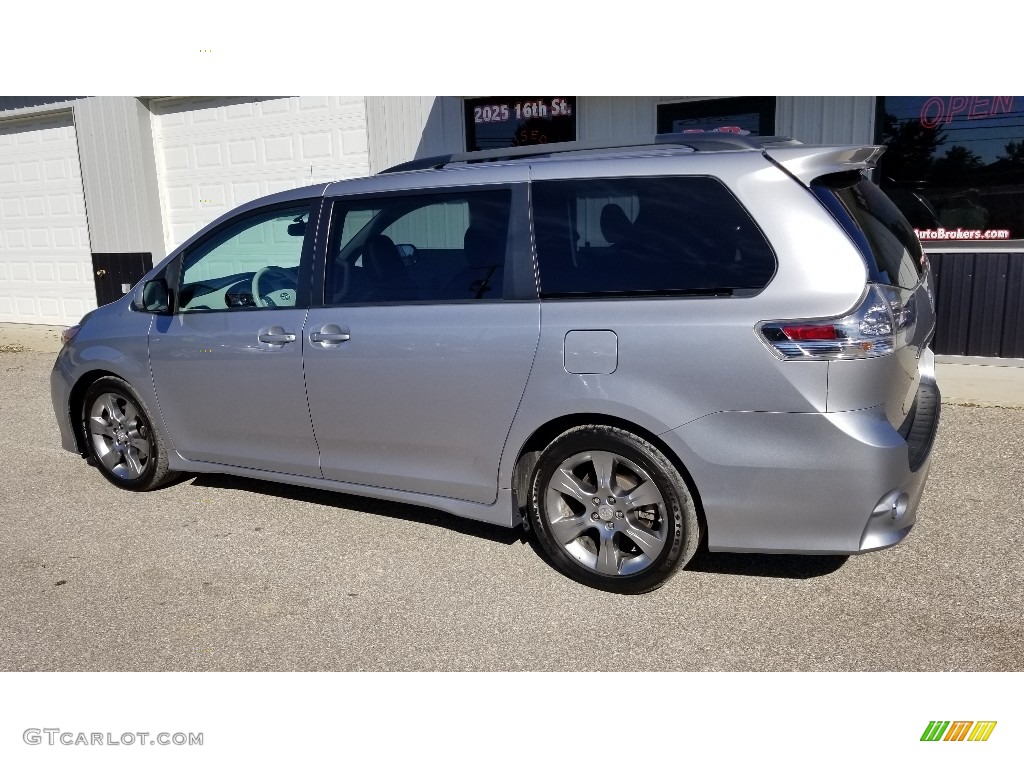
(981, 384)
(17, 337)
(992, 385)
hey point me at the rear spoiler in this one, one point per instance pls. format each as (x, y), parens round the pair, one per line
(807, 162)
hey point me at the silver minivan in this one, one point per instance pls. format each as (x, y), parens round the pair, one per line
(634, 351)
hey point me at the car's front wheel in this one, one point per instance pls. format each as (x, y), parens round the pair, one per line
(611, 510)
(123, 441)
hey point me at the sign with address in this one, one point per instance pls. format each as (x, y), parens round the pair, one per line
(515, 121)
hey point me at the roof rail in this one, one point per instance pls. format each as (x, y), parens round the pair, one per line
(698, 142)
(435, 162)
(715, 141)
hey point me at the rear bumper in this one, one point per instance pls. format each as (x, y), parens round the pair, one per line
(895, 514)
(810, 483)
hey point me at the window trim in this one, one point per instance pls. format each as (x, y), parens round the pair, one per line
(175, 271)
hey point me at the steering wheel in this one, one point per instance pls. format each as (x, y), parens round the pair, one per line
(280, 297)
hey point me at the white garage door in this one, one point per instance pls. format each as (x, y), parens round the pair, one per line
(45, 263)
(214, 154)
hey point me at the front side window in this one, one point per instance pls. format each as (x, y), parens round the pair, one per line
(419, 247)
(654, 236)
(251, 264)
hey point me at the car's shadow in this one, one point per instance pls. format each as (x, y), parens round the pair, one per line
(771, 566)
(392, 509)
(731, 563)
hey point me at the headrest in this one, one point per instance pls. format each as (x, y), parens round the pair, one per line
(382, 258)
(482, 246)
(615, 224)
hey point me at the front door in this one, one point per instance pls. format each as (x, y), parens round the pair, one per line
(228, 364)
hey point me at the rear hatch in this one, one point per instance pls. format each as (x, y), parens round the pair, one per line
(898, 271)
(876, 353)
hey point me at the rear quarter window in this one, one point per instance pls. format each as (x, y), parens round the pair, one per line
(656, 236)
(883, 235)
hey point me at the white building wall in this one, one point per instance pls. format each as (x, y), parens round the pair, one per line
(403, 128)
(826, 119)
(119, 175)
(621, 118)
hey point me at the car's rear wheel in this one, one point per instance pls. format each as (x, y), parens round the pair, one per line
(123, 441)
(611, 510)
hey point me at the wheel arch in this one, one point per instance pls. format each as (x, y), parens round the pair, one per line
(76, 400)
(540, 438)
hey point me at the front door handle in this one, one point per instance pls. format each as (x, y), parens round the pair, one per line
(330, 336)
(275, 335)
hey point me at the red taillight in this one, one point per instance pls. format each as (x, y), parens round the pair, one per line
(810, 332)
(874, 328)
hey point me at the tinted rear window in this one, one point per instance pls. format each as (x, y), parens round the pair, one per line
(664, 235)
(884, 236)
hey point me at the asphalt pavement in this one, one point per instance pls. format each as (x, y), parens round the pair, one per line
(218, 573)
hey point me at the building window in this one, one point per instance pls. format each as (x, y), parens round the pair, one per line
(497, 122)
(955, 164)
(745, 115)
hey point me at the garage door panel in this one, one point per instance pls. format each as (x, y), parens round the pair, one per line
(279, 149)
(242, 153)
(48, 307)
(10, 208)
(21, 271)
(58, 206)
(35, 207)
(274, 107)
(44, 241)
(213, 194)
(317, 146)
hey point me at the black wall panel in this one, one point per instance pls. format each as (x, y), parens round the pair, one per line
(112, 271)
(980, 304)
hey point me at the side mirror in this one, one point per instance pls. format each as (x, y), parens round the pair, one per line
(408, 253)
(156, 297)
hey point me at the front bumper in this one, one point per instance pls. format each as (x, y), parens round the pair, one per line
(60, 395)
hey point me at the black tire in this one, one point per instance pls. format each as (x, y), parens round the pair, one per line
(122, 439)
(622, 545)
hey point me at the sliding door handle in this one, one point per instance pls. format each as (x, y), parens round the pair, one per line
(330, 336)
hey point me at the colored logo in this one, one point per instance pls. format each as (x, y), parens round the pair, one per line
(958, 730)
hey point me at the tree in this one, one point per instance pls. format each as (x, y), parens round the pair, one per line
(911, 149)
(958, 164)
(1014, 152)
